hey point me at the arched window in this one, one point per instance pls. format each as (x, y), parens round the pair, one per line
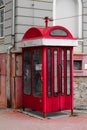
(68, 13)
(1, 18)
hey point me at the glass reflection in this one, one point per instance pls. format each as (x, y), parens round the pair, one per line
(37, 72)
(27, 73)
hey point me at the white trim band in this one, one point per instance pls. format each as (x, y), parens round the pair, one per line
(48, 42)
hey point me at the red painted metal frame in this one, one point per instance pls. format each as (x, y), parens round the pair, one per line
(72, 81)
(44, 81)
(61, 102)
(68, 97)
(31, 101)
(54, 103)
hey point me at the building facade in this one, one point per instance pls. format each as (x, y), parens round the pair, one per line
(16, 17)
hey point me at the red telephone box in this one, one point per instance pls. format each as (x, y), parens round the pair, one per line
(48, 69)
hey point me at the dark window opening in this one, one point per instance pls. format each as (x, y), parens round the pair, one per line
(37, 72)
(49, 73)
(27, 73)
(77, 65)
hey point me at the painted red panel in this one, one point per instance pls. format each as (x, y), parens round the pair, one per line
(3, 61)
(56, 104)
(18, 65)
(13, 92)
(3, 97)
(18, 89)
(32, 102)
(13, 65)
(68, 102)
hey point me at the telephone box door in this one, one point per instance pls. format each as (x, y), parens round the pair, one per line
(32, 79)
(59, 79)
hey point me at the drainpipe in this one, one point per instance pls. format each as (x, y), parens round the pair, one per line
(9, 102)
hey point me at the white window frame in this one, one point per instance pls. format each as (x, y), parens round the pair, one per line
(79, 16)
(2, 23)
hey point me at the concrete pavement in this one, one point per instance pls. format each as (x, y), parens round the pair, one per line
(14, 120)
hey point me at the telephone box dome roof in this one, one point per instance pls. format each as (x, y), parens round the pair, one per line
(52, 36)
(54, 32)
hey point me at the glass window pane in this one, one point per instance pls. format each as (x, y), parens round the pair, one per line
(1, 30)
(58, 32)
(27, 73)
(1, 2)
(68, 72)
(49, 73)
(1, 16)
(37, 72)
(1, 22)
(62, 71)
(55, 72)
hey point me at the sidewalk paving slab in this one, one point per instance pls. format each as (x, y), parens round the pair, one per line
(15, 120)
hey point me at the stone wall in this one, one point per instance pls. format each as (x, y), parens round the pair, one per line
(80, 92)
